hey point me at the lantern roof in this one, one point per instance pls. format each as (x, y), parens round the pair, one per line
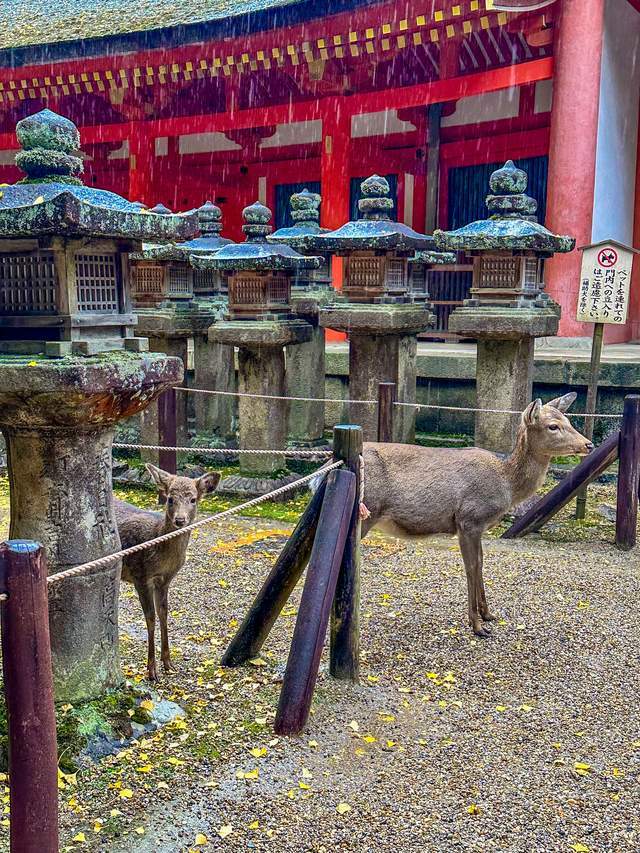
(375, 230)
(51, 199)
(255, 253)
(429, 257)
(512, 224)
(305, 212)
(209, 218)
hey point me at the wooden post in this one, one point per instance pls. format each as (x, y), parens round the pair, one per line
(344, 658)
(434, 117)
(278, 586)
(591, 467)
(168, 430)
(387, 396)
(315, 605)
(628, 474)
(28, 688)
(592, 399)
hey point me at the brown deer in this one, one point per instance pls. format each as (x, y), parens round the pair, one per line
(152, 570)
(416, 491)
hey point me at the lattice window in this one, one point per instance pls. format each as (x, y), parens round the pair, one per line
(531, 274)
(396, 276)
(278, 289)
(180, 281)
(97, 283)
(497, 272)
(207, 281)
(365, 273)
(148, 279)
(418, 279)
(247, 290)
(28, 283)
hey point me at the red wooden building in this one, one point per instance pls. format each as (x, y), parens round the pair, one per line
(233, 101)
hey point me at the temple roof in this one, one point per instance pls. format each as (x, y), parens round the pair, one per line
(37, 22)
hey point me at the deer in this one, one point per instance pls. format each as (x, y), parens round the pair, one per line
(413, 491)
(152, 570)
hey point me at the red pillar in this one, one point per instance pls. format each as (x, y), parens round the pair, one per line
(335, 182)
(634, 302)
(141, 162)
(572, 147)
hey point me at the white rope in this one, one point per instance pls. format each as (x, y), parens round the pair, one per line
(276, 397)
(303, 454)
(134, 549)
(495, 411)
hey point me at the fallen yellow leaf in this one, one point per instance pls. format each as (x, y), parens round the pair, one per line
(201, 840)
(226, 830)
(343, 808)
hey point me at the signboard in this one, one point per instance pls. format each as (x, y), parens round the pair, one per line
(604, 283)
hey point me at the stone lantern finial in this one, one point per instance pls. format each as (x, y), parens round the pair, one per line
(508, 199)
(210, 219)
(305, 208)
(47, 139)
(376, 202)
(257, 218)
(161, 209)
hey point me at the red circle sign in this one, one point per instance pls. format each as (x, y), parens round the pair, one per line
(607, 257)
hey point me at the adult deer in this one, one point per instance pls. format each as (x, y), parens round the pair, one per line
(416, 491)
(152, 570)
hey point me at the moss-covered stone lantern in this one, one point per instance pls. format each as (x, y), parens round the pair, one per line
(261, 325)
(377, 311)
(420, 265)
(508, 307)
(176, 304)
(65, 306)
(310, 291)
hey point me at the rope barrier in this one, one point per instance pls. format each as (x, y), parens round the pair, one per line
(303, 454)
(275, 397)
(134, 549)
(496, 411)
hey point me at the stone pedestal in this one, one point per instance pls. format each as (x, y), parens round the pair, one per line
(261, 361)
(306, 371)
(504, 366)
(382, 348)
(58, 418)
(215, 370)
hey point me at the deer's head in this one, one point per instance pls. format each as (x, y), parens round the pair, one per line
(549, 432)
(182, 494)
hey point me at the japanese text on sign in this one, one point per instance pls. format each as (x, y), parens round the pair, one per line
(604, 284)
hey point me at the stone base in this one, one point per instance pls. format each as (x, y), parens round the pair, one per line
(305, 377)
(504, 323)
(252, 487)
(352, 317)
(260, 333)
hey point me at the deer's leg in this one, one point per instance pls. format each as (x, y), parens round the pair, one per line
(145, 594)
(486, 614)
(471, 549)
(161, 597)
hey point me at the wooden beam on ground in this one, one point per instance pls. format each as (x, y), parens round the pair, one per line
(315, 606)
(583, 474)
(278, 586)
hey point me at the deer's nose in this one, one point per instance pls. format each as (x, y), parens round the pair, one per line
(179, 521)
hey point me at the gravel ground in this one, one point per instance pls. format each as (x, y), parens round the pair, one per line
(528, 741)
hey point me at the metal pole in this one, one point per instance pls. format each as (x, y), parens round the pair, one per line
(28, 688)
(592, 398)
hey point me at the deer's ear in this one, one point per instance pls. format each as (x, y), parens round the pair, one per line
(161, 478)
(207, 483)
(531, 414)
(563, 403)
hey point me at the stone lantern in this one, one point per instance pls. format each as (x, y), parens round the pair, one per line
(508, 307)
(261, 325)
(310, 291)
(70, 370)
(176, 305)
(420, 265)
(378, 311)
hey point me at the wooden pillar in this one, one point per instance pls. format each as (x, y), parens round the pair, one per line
(572, 147)
(141, 164)
(335, 175)
(434, 116)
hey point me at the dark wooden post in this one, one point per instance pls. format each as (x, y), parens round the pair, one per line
(387, 396)
(315, 605)
(628, 474)
(28, 688)
(344, 659)
(168, 430)
(278, 586)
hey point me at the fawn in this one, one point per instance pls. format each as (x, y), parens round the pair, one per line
(417, 491)
(152, 570)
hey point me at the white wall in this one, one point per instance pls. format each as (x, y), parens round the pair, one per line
(617, 148)
(488, 107)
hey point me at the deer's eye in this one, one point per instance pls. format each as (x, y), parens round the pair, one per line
(554, 427)
(170, 501)
(193, 500)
